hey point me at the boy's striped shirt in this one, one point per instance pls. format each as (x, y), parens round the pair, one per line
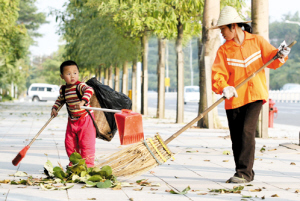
(72, 98)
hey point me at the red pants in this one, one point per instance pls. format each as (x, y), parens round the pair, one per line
(81, 137)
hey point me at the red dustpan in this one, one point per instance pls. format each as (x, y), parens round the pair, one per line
(129, 124)
(130, 127)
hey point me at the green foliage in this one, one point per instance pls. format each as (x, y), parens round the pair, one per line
(30, 18)
(16, 17)
(280, 31)
(94, 40)
(78, 172)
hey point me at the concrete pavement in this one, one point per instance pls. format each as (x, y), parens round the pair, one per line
(199, 160)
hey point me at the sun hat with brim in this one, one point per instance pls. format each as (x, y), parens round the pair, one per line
(228, 15)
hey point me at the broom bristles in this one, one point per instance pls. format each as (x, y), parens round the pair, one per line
(136, 159)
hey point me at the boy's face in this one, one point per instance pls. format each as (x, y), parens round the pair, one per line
(70, 74)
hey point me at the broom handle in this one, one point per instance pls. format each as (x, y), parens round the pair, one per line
(200, 116)
(46, 124)
(100, 109)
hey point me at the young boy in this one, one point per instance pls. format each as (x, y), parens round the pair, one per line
(81, 132)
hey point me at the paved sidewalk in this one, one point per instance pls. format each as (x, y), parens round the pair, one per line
(199, 160)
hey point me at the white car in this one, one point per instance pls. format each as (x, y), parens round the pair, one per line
(191, 94)
(43, 92)
(291, 87)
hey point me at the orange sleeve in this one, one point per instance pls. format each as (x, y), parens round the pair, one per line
(220, 73)
(268, 51)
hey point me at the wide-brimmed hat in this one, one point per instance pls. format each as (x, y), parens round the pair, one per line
(229, 15)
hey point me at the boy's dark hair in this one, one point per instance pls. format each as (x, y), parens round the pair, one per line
(67, 63)
(247, 27)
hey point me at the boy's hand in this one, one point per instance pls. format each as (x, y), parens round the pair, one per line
(77, 106)
(54, 112)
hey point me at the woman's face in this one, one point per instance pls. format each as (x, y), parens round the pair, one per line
(227, 33)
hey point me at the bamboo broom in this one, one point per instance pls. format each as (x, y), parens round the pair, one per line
(145, 155)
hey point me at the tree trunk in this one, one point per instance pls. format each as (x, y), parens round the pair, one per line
(134, 86)
(160, 113)
(125, 78)
(106, 76)
(210, 45)
(260, 26)
(100, 71)
(180, 73)
(110, 80)
(117, 75)
(144, 105)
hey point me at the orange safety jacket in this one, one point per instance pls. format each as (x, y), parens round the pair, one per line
(234, 63)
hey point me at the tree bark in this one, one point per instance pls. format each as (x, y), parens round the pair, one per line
(106, 76)
(260, 26)
(144, 105)
(100, 71)
(160, 113)
(117, 75)
(125, 78)
(210, 44)
(180, 73)
(110, 80)
(134, 86)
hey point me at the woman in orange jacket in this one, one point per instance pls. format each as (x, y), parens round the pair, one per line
(239, 57)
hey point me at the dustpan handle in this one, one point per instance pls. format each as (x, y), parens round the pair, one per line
(200, 116)
(100, 109)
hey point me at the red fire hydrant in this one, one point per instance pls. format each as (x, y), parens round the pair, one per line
(272, 110)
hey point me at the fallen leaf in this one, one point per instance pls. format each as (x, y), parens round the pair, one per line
(272, 149)
(131, 199)
(92, 199)
(246, 196)
(6, 181)
(126, 184)
(297, 191)
(263, 197)
(262, 149)
(292, 163)
(206, 160)
(255, 190)
(201, 193)
(225, 160)
(275, 195)
(191, 151)
(226, 152)
(182, 192)
(249, 185)
(138, 189)
(20, 174)
(167, 191)
(152, 172)
(153, 189)
(176, 177)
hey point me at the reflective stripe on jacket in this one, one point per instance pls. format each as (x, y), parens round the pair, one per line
(234, 63)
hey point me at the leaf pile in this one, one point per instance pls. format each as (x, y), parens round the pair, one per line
(236, 189)
(79, 173)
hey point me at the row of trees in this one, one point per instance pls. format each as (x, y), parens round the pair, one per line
(18, 24)
(106, 35)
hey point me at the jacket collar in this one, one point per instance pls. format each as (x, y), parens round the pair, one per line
(231, 43)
